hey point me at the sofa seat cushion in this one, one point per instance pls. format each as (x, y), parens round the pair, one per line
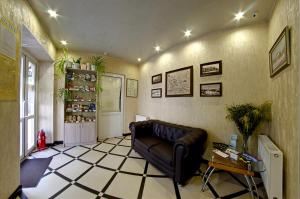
(164, 152)
(147, 141)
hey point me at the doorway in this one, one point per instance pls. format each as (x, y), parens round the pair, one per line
(111, 107)
(28, 71)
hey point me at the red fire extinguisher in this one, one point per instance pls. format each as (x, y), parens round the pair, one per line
(41, 143)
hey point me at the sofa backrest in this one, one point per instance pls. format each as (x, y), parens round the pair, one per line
(169, 132)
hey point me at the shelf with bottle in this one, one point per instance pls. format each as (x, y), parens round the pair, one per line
(79, 119)
(74, 108)
(83, 89)
(82, 70)
(81, 77)
(78, 98)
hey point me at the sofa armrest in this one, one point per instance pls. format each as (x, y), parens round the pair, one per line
(192, 141)
(187, 154)
(140, 128)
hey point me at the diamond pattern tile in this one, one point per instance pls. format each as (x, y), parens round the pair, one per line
(74, 169)
(85, 172)
(76, 151)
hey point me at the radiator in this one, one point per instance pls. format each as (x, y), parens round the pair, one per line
(273, 161)
(139, 118)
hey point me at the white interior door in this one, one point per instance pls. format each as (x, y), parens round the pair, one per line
(27, 105)
(111, 108)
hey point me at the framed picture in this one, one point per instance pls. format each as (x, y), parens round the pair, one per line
(211, 68)
(131, 87)
(279, 55)
(211, 90)
(156, 93)
(179, 83)
(157, 79)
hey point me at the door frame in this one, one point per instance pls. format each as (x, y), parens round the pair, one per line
(28, 57)
(122, 101)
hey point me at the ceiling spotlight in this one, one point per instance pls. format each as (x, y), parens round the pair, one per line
(187, 33)
(64, 42)
(139, 59)
(157, 48)
(239, 16)
(52, 13)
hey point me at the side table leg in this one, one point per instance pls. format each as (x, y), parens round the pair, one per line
(250, 186)
(255, 187)
(209, 174)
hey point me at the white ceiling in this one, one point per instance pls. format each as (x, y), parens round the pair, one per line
(131, 28)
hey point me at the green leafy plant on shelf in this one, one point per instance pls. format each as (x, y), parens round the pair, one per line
(60, 63)
(77, 61)
(98, 62)
(248, 117)
(64, 94)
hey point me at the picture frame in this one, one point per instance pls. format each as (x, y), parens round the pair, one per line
(211, 90)
(131, 87)
(179, 82)
(279, 54)
(156, 93)
(211, 68)
(156, 79)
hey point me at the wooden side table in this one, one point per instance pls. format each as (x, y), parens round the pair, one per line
(230, 165)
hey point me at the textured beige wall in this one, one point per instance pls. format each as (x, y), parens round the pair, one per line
(243, 52)
(20, 14)
(45, 101)
(113, 65)
(285, 95)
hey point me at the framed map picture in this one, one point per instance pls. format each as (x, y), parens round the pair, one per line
(179, 83)
(131, 88)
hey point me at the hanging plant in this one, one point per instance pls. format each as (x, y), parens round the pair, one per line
(99, 64)
(60, 63)
(64, 94)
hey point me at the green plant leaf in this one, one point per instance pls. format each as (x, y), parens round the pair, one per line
(59, 63)
(63, 94)
(247, 117)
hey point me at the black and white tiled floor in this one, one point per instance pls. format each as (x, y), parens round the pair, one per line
(111, 169)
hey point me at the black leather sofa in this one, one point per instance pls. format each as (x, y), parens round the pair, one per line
(174, 149)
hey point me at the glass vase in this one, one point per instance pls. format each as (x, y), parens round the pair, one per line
(245, 143)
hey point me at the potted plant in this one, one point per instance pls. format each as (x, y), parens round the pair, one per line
(62, 62)
(247, 117)
(76, 63)
(98, 64)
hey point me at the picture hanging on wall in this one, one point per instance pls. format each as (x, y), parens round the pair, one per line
(179, 83)
(131, 87)
(211, 68)
(279, 55)
(211, 90)
(156, 93)
(157, 79)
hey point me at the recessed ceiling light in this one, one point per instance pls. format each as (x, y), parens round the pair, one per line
(239, 16)
(157, 48)
(52, 13)
(64, 42)
(139, 59)
(187, 33)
